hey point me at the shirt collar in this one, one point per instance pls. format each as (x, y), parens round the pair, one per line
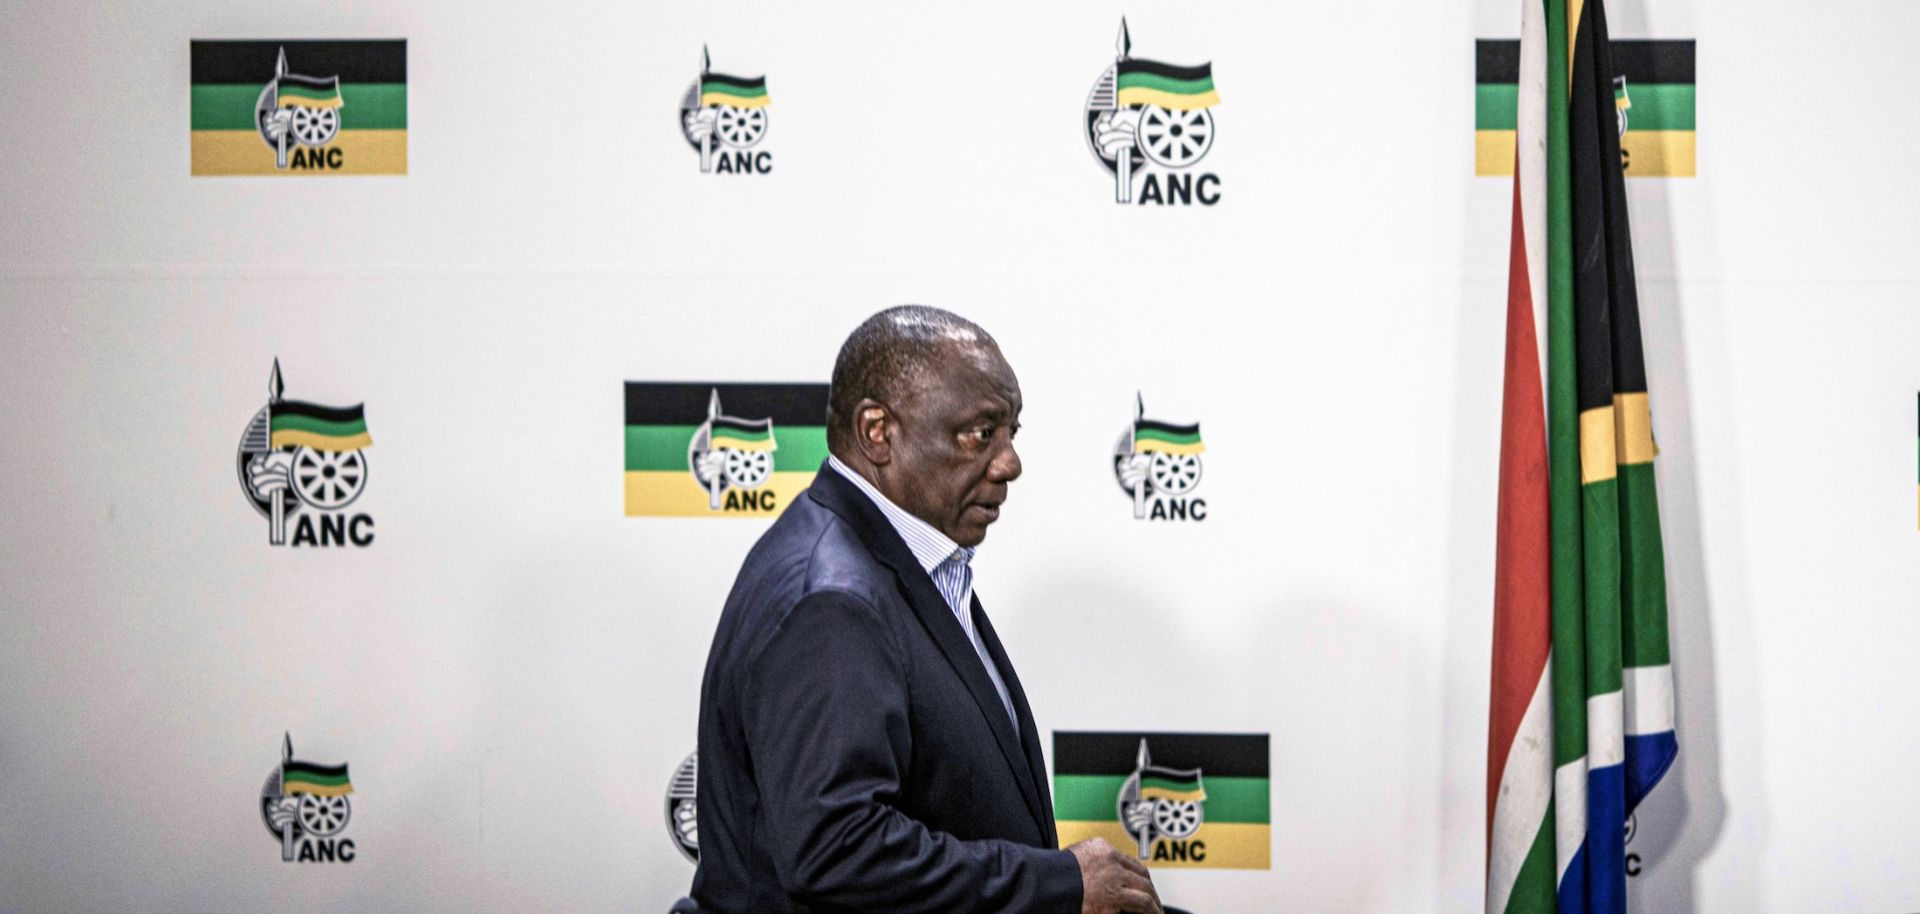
(929, 546)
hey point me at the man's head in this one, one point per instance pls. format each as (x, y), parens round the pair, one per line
(924, 406)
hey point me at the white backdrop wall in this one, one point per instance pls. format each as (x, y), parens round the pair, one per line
(511, 669)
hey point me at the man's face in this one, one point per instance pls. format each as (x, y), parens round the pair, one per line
(952, 449)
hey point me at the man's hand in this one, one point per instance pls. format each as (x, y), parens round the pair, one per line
(1112, 882)
(1117, 132)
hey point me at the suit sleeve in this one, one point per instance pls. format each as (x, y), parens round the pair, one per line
(826, 717)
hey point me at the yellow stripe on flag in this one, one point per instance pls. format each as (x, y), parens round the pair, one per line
(1143, 95)
(319, 790)
(734, 101)
(1168, 793)
(244, 152)
(1659, 153)
(1649, 153)
(1597, 452)
(674, 493)
(1155, 445)
(320, 442)
(1493, 153)
(1222, 845)
(1633, 428)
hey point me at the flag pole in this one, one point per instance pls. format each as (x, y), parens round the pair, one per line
(280, 158)
(1140, 490)
(277, 521)
(713, 481)
(706, 139)
(1123, 163)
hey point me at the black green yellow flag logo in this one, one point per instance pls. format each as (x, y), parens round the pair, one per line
(721, 449)
(304, 465)
(725, 117)
(1149, 123)
(1653, 96)
(1196, 800)
(299, 107)
(305, 807)
(1158, 464)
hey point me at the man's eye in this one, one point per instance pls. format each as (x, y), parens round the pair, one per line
(982, 434)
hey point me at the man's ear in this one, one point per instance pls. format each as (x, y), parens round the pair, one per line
(873, 431)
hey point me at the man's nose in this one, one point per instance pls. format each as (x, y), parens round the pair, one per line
(1006, 464)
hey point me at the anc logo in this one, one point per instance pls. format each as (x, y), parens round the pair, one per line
(306, 461)
(1145, 112)
(1655, 119)
(1195, 800)
(343, 111)
(305, 808)
(683, 813)
(1158, 464)
(696, 450)
(728, 115)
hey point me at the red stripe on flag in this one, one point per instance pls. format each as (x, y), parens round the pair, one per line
(1522, 585)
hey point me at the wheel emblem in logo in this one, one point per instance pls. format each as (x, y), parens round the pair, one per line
(1144, 111)
(728, 452)
(725, 117)
(305, 808)
(300, 458)
(1159, 803)
(297, 110)
(1157, 465)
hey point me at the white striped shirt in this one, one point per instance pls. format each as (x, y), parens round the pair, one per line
(946, 562)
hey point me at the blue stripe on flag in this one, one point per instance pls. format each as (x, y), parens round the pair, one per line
(1648, 758)
(1571, 897)
(1606, 845)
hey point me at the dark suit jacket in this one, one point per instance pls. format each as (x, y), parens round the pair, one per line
(854, 756)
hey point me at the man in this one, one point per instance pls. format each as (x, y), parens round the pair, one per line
(864, 742)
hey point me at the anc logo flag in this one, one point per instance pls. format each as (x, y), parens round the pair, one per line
(706, 449)
(1150, 82)
(294, 423)
(319, 780)
(733, 91)
(299, 107)
(1193, 800)
(1154, 437)
(1653, 90)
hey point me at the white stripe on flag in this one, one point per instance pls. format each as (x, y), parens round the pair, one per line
(1649, 704)
(1526, 787)
(1606, 744)
(1569, 814)
(1530, 139)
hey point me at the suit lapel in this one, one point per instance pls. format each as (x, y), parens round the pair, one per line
(1029, 735)
(841, 497)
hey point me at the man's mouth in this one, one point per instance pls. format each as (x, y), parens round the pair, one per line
(988, 511)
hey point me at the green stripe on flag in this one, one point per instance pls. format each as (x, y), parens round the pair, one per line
(317, 426)
(1154, 434)
(308, 777)
(664, 447)
(1165, 83)
(1091, 797)
(1655, 106)
(363, 106)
